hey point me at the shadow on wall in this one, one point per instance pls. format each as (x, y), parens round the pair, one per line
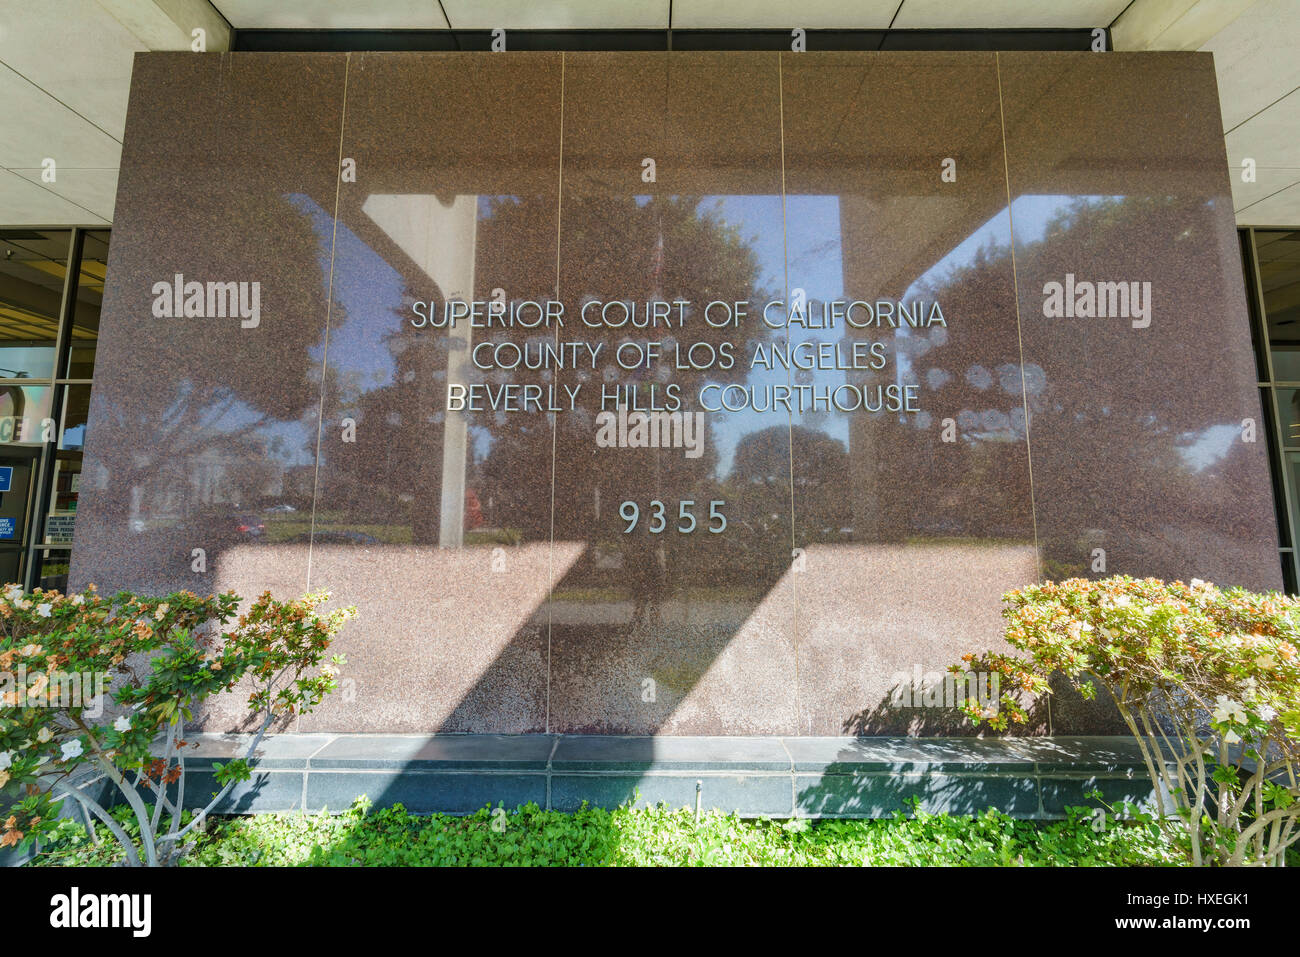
(927, 706)
(481, 640)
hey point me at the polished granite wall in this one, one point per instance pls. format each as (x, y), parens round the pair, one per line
(497, 589)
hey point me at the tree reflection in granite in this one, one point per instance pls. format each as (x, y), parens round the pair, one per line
(1137, 449)
(231, 426)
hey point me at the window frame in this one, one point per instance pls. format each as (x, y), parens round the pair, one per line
(35, 547)
(1288, 520)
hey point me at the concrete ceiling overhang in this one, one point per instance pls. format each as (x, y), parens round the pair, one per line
(65, 68)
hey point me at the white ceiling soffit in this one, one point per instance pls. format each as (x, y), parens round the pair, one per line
(460, 14)
(83, 197)
(559, 14)
(783, 15)
(1173, 24)
(36, 127)
(1007, 14)
(1269, 138)
(1281, 208)
(23, 203)
(1257, 59)
(1259, 92)
(654, 14)
(332, 14)
(91, 72)
(166, 24)
(50, 110)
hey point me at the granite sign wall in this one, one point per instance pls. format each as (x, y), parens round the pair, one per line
(683, 393)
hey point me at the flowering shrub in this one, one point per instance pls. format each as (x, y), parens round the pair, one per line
(63, 656)
(1207, 680)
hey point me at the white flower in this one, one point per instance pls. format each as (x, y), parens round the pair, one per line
(1267, 713)
(1228, 710)
(43, 610)
(71, 749)
(6, 760)
(1197, 583)
(122, 724)
(1231, 737)
(78, 599)
(13, 593)
(44, 735)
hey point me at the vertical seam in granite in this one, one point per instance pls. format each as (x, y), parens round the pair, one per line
(1020, 340)
(555, 426)
(329, 304)
(785, 265)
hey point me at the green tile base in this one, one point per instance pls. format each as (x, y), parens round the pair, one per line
(754, 776)
(1030, 778)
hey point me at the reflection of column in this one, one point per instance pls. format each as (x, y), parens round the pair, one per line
(133, 516)
(440, 239)
(455, 439)
(889, 241)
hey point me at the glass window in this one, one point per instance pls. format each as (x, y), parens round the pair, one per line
(46, 310)
(1288, 409)
(1252, 305)
(1286, 362)
(33, 265)
(1275, 472)
(1279, 275)
(1293, 468)
(19, 479)
(83, 333)
(24, 414)
(1274, 301)
(76, 410)
(52, 569)
(63, 502)
(66, 487)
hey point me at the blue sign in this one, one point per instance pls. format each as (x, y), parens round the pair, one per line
(7, 527)
(6, 478)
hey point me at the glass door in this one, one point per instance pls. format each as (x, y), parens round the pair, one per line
(17, 482)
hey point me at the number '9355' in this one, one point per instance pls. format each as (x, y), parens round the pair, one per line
(657, 519)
